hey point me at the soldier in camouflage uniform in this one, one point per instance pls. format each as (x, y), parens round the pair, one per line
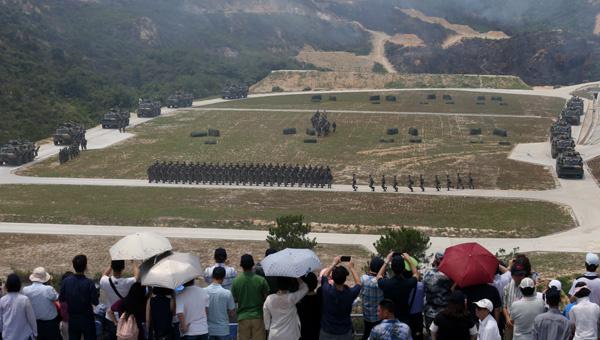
(354, 186)
(421, 183)
(395, 183)
(371, 183)
(459, 182)
(383, 186)
(470, 181)
(411, 182)
(448, 182)
(437, 289)
(438, 185)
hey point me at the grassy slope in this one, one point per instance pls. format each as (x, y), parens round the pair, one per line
(337, 212)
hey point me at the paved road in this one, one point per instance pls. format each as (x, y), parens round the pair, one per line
(583, 196)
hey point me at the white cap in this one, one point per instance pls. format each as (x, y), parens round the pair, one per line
(485, 303)
(527, 283)
(556, 284)
(592, 259)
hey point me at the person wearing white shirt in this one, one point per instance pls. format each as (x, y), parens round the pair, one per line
(585, 314)
(220, 257)
(488, 328)
(17, 319)
(590, 277)
(43, 298)
(191, 307)
(279, 311)
(523, 312)
(115, 287)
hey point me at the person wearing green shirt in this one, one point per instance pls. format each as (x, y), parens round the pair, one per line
(249, 292)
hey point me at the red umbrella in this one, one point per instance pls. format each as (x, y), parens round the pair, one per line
(469, 264)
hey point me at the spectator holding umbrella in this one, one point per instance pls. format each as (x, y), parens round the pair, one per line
(160, 309)
(279, 311)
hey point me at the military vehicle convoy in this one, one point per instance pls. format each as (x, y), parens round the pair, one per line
(561, 127)
(148, 108)
(180, 99)
(115, 118)
(69, 133)
(572, 116)
(575, 103)
(569, 164)
(18, 152)
(235, 92)
(561, 144)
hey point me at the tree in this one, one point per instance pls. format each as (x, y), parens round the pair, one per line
(405, 240)
(290, 232)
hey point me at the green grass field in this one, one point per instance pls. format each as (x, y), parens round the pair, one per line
(410, 101)
(354, 148)
(257, 209)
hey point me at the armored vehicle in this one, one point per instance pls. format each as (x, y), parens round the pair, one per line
(569, 164)
(18, 152)
(148, 108)
(115, 118)
(575, 103)
(180, 99)
(560, 144)
(561, 127)
(235, 92)
(69, 133)
(571, 115)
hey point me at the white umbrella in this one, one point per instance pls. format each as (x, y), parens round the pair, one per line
(139, 246)
(291, 263)
(172, 271)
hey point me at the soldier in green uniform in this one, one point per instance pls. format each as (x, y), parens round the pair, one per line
(411, 182)
(395, 183)
(448, 182)
(354, 186)
(371, 183)
(470, 180)
(383, 186)
(421, 183)
(438, 185)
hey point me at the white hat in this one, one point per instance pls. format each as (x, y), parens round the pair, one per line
(485, 303)
(39, 275)
(592, 259)
(527, 283)
(556, 284)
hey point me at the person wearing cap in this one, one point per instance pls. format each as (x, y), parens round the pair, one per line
(590, 277)
(43, 298)
(371, 295)
(585, 314)
(488, 328)
(220, 257)
(115, 287)
(519, 269)
(552, 325)
(454, 322)
(437, 288)
(249, 292)
(17, 318)
(524, 311)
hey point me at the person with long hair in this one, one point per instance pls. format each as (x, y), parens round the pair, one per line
(454, 322)
(160, 309)
(132, 305)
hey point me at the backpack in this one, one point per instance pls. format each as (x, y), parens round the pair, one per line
(127, 328)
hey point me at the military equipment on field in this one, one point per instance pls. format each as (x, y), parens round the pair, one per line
(413, 131)
(311, 132)
(214, 133)
(316, 98)
(386, 140)
(390, 98)
(496, 98)
(18, 152)
(572, 115)
(375, 99)
(500, 132)
(332, 98)
(180, 99)
(480, 98)
(415, 139)
(289, 131)
(560, 144)
(392, 131)
(447, 97)
(431, 97)
(69, 133)
(474, 131)
(569, 164)
(561, 127)
(320, 123)
(148, 108)
(237, 92)
(198, 134)
(310, 140)
(576, 103)
(210, 141)
(476, 140)
(504, 142)
(115, 118)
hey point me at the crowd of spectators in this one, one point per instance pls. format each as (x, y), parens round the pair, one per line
(394, 299)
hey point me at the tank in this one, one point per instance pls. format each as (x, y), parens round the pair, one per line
(235, 92)
(572, 115)
(560, 144)
(148, 108)
(576, 103)
(18, 152)
(69, 133)
(559, 128)
(569, 164)
(115, 118)
(180, 99)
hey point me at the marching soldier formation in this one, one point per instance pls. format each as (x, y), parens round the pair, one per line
(244, 174)
(410, 183)
(70, 152)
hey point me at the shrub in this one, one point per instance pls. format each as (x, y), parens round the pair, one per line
(406, 240)
(306, 88)
(290, 232)
(276, 89)
(379, 68)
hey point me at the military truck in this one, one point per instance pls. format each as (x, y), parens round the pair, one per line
(180, 99)
(18, 152)
(571, 115)
(569, 164)
(148, 108)
(115, 118)
(560, 144)
(235, 92)
(69, 133)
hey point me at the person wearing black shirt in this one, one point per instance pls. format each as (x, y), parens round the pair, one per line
(454, 322)
(309, 310)
(398, 288)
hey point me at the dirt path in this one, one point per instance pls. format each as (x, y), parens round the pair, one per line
(378, 40)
